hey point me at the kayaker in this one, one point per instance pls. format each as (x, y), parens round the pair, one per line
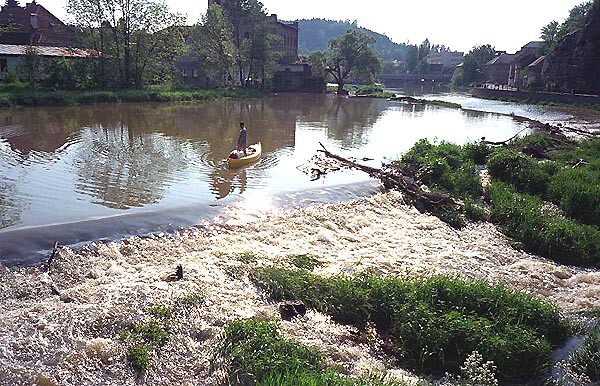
(241, 143)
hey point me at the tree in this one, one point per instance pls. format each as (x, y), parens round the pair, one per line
(549, 36)
(250, 36)
(352, 55)
(31, 65)
(257, 49)
(576, 20)
(213, 41)
(129, 33)
(90, 16)
(423, 52)
(472, 70)
(412, 58)
(318, 62)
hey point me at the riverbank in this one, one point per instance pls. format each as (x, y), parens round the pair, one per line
(591, 102)
(23, 96)
(63, 328)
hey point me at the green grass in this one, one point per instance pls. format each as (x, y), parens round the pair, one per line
(447, 167)
(143, 337)
(249, 351)
(439, 103)
(305, 261)
(518, 199)
(35, 97)
(524, 218)
(253, 352)
(520, 170)
(433, 324)
(582, 364)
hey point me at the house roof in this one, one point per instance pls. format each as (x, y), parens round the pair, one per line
(538, 61)
(67, 52)
(501, 59)
(33, 24)
(533, 44)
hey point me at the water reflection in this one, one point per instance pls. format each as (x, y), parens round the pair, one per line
(225, 181)
(65, 165)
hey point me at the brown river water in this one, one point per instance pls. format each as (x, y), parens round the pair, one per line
(84, 173)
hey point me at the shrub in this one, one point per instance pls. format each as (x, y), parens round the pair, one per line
(577, 192)
(433, 324)
(251, 351)
(445, 166)
(524, 218)
(519, 170)
(304, 261)
(478, 152)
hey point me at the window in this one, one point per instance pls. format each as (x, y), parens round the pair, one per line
(3, 65)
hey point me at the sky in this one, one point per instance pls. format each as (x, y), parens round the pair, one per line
(460, 24)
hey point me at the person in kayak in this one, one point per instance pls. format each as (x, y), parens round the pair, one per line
(242, 138)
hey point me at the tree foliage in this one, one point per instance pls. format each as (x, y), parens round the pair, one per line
(554, 31)
(213, 42)
(137, 39)
(252, 38)
(472, 70)
(352, 54)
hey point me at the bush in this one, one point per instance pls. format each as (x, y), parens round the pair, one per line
(577, 192)
(446, 167)
(478, 152)
(251, 351)
(433, 324)
(519, 170)
(143, 337)
(524, 218)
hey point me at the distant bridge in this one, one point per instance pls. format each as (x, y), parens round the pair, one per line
(412, 79)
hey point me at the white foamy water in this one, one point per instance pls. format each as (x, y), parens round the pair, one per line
(72, 338)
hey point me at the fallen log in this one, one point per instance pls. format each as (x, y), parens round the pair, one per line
(396, 177)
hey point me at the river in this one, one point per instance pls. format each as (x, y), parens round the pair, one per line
(77, 174)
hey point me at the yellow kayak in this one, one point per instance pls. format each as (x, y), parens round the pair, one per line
(253, 153)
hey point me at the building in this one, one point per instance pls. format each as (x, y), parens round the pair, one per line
(297, 77)
(447, 59)
(497, 70)
(33, 25)
(11, 56)
(287, 44)
(510, 69)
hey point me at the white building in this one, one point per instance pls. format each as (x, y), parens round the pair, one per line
(448, 60)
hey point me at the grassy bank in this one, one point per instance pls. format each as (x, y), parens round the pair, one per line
(253, 352)
(548, 206)
(528, 101)
(432, 325)
(26, 96)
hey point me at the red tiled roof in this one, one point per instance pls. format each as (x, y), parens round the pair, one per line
(538, 61)
(501, 59)
(67, 52)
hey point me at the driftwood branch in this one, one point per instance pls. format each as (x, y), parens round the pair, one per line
(52, 256)
(395, 177)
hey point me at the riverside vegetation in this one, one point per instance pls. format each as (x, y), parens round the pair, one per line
(24, 94)
(548, 206)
